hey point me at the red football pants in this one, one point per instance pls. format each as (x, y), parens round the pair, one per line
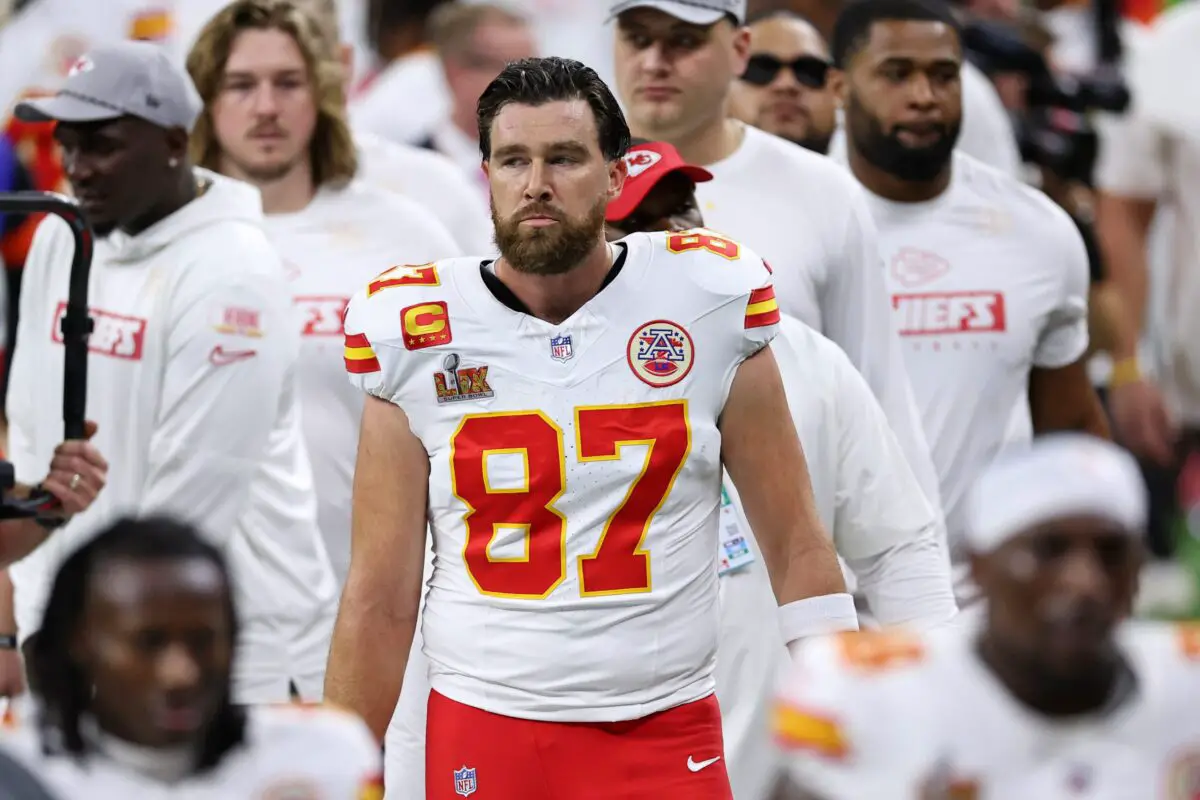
(677, 753)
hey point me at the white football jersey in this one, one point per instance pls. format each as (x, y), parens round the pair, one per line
(893, 716)
(987, 281)
(575, 471)
(330, 250)
(298, 752)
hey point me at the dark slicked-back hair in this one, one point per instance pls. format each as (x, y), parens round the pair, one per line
(536, 81)
(62, 684)
(853, 27)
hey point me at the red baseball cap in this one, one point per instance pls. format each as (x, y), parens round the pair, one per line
(648, 163)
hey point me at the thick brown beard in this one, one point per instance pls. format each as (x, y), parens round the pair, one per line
(549, 251)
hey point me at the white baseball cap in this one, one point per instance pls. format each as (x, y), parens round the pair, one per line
(697, 12)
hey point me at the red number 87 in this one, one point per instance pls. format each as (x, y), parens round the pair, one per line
(619, 564)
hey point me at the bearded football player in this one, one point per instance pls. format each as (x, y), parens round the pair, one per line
(560, 417)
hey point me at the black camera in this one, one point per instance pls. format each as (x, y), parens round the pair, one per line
(1056, 133)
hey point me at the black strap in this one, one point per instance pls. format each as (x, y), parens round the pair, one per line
(18, 783)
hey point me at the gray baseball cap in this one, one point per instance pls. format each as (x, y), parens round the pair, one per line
(697, 12)
(115, 80)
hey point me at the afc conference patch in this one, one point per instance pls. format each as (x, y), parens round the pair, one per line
(660, 353)
(464, 781)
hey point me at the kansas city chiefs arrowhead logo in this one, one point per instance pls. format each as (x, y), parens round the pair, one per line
(641, 160)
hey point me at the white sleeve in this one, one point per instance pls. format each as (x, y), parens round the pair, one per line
(1132, 161)
(1064, 338)
(884, 527)
(858, 317)
(230, 356)
(987, 132)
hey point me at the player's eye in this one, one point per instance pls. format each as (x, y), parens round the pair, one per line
(1050, 548)
(944, 75)
(149, 641)
(639, 41)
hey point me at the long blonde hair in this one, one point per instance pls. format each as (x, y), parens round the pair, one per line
(332, 150)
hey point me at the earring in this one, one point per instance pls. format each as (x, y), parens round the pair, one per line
(173, 163)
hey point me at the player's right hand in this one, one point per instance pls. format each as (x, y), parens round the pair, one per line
(77, 472)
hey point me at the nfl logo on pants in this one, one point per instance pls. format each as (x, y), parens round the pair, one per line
(464, 781)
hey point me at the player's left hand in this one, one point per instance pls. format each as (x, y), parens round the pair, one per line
(77, 473)
(1142, 422)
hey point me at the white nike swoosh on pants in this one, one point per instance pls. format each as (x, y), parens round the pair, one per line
(696, 766)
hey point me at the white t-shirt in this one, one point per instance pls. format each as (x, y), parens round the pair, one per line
(988, 280)
(1153, 153)
(987, 132)
(463, 150)
(533, 434)
(432, 181)
(330, 250)
(892, 716)
(809, 220)
(867, 499)
(288, 752)
(192, 379)
(405, 100)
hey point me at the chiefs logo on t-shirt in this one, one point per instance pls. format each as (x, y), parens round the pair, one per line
(912, 266)
(940, 313)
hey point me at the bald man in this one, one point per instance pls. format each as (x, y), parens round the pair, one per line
(789, 88)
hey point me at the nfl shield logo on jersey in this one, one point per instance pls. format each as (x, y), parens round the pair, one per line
(464, 781)
(560, 348)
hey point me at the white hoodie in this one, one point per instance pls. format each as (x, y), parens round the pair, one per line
(192, 381)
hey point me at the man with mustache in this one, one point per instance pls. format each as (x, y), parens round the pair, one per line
(789, 88)
(988, 277)
(273, 117)
(1055, 694)
(864, 489)
(560, 417)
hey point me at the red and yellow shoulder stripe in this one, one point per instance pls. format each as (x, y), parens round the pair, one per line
(372, 788)
(797, 728)
(762, 309)
(360, 356)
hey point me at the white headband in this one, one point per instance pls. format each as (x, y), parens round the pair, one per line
(1059, 475)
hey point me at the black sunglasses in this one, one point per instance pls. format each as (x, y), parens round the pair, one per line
(810, 71)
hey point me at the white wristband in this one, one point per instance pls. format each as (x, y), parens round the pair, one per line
(815, 616)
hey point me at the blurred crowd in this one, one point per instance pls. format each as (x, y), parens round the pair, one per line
(981, 224)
